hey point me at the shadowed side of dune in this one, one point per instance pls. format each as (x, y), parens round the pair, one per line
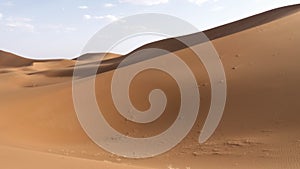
(12, 60)
(176, 44)
(112, 61)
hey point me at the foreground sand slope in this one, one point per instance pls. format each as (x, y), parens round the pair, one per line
(259, 129)
(19, 158)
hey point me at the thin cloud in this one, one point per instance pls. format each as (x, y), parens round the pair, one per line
(109, 18)
(1, 16)
(22, 26)
(87, 17)
(18, 19)
(109, 5)
(201, 2)
(59, 28)
(18, 23)
(83, 7)
(217, 8)
(198, 2)
(144, 2)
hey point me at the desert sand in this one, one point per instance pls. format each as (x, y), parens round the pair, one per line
(259, 129)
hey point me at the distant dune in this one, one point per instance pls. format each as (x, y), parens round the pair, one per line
(259, 129)
(11, 60)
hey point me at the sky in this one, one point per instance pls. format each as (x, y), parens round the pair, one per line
(61, 28)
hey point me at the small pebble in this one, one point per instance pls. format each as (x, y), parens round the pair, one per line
(196, 154)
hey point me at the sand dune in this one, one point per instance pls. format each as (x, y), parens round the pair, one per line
(259, 129)
(32, 159)
(11, 60)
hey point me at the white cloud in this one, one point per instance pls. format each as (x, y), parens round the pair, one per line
(87, 17)
(108, 5)
(70, 29)
(198, 2)
(58, 28)
(19, 25)
(201, 2)
(217, 8)
(23, 24)
(110, 18)
(18, 19)
(107, 17)
(1, 16)
(83, 7)
(145, 2)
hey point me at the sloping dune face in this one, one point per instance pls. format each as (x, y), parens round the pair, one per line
(11, 60)
(259, 128)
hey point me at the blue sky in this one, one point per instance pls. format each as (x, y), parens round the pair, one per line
(60, 28)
